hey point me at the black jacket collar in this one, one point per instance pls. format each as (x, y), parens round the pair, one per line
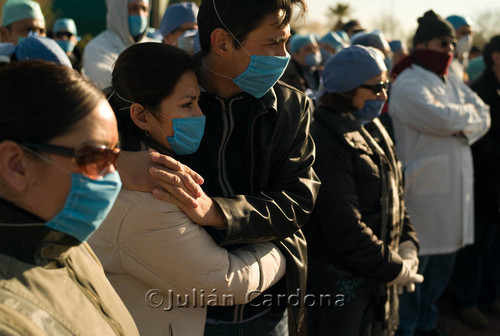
(23, 242)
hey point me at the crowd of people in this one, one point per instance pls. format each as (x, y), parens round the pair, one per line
(223, 175)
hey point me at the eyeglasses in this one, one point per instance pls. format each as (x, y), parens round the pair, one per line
(446, 43)
(94, 161)
(376, 88)
(63, 34)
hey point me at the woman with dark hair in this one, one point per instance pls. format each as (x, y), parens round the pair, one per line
(57, 184)
(147, 243)
(360, 240)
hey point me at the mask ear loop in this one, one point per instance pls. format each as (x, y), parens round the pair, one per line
(125, 100)
(218, 16)
(154, 120)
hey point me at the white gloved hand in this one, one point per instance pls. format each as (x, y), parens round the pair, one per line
(406, 277)
(408, 251)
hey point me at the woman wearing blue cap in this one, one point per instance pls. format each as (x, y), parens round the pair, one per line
(362, 247)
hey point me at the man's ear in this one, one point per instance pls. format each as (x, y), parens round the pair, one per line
(13, 165)
(221, 42)
(140, 116)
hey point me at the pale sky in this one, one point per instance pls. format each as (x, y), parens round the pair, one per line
(405, 11)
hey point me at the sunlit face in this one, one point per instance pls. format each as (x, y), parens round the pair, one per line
(51, 182)
(301, 54)
(363, 94)
(138, 8)
(462, 31)
(64, 35)
(445, 45)
(267, 39)
(182, 103)
(22, 28)
(173, 37)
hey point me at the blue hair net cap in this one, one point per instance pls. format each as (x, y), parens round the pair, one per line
(176, 15)
(15, 10)
(334, 40)
(397, 45)
(374, 39)
(458, 21)
(298, 41)
(41, 48)
(66, 24)
(351, 67)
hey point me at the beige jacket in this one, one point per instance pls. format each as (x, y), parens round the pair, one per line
(168, 269)
(64, 293)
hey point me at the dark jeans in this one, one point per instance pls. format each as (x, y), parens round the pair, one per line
(352, 310)
(418, 310)
(473, 279)
(270, 324)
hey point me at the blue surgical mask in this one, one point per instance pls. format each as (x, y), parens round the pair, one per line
(325, 54)
(370, 111)
(87, 205)
(313, 60)
(137, 24)
(188, 133)
(261, 73)
(186, 41)
(66, 45)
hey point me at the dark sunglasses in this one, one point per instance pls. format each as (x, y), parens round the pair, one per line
(94, 161)
(62, 34)
(376, 88)
(446, 43)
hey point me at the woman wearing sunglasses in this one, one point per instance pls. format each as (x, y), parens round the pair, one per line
(165, 267)
(57, 184)
(362, 247)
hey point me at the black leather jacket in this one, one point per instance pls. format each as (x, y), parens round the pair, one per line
(256, 157)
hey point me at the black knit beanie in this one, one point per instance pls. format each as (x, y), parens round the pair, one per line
(431, 26)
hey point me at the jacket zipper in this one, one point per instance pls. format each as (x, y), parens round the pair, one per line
(94, 299)
(227, 130)
(252, 133)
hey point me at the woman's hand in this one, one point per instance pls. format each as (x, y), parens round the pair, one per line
(206, 213)
(143, 171)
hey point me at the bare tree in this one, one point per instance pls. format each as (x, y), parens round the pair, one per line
(485, 26)
(390, 26)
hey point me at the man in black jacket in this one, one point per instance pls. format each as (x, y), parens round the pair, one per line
(471, 264)
(256, 156)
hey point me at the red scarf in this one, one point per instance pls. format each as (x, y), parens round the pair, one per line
(434, 61)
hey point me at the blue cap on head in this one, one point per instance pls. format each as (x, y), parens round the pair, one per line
(298, 41)
(41, 48)
(66, 24)
(374, 39)
(458, 21)
(15, 10)
(397, 45)
(334, 40)
(176, 15)
(351, 67)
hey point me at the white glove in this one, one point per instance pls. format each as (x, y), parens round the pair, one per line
(408, 251)
(407, 277)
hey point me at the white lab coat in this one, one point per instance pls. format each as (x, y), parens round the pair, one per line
(101, 52)
(435, 122)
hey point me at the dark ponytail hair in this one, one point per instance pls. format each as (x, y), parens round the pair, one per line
(42, 100)
(492, 46)
(145, 73)
(338, 102)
